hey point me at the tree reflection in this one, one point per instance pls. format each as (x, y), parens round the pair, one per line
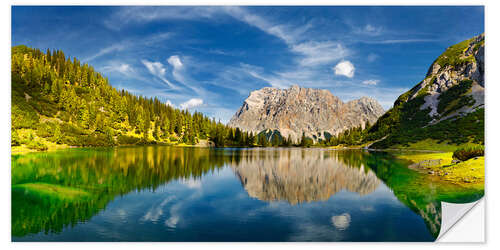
(51, 191)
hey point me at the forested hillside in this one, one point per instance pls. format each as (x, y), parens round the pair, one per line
(59, 101)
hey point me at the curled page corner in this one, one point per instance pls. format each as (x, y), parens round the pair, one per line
(452, 213)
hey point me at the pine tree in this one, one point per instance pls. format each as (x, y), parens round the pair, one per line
(275, 140)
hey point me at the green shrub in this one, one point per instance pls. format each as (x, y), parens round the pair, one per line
(36, 145)
(127, 140)
(23, 115)
(15, 141)
(63, 115)
(46, 129)
(466, 153)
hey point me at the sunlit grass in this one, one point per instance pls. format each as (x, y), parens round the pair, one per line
(434, 145)
(44, 191)
(470, 172)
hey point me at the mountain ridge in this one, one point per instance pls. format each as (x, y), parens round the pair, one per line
(447, 106)
(298, 110)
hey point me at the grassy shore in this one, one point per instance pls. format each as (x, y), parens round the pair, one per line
(432, 145)
(469, 173)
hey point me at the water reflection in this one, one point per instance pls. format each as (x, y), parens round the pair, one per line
(297, 176)
(342, 221)
(98, 175)
(52, 192)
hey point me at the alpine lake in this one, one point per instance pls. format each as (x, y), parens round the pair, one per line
(163, 193)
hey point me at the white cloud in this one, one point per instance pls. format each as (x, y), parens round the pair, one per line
(136, 14)
(191, 103)
(344, 68)
(394, 41)
(281, 31)
(313, 52)
(369, 30)
(104, 51)
(169, 103)
(157, 38)
(256, 72)
(157, 69)
(130, 43)
(371, 82)
(175, 61)
(316, 53)
(122, 68)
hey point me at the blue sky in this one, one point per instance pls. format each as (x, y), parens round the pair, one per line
(210, 58)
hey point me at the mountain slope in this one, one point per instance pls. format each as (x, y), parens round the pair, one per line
(447, 106)
(294, 111)
(59, 102)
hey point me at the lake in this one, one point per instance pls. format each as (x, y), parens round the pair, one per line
(161, 193)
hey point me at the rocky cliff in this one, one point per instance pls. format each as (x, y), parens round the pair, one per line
(448, 105)
(296, 110)
(460, 64)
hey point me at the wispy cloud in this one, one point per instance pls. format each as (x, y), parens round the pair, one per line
(370, 82)
(130, 44)
(143, 14)
(273, 80)
(316, 53)
(107, 50)
(122, 68)
(177, 65)
(287, 34)
(311, 52)
(395, 41)
(157, 69)
(369, 30)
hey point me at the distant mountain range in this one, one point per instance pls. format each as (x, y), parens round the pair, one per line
(295, 111)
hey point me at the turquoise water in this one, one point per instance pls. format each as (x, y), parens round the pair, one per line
(159, 193)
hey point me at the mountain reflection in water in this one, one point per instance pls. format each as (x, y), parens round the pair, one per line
(55, 194)
(298, 176)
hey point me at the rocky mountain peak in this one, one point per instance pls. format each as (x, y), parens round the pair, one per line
(459, 64)
(297, 110)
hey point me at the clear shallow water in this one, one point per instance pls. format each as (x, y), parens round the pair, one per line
(161, 193)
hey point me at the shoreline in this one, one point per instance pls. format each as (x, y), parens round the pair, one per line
(23, 149)
(441, 165)
(467, 173)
